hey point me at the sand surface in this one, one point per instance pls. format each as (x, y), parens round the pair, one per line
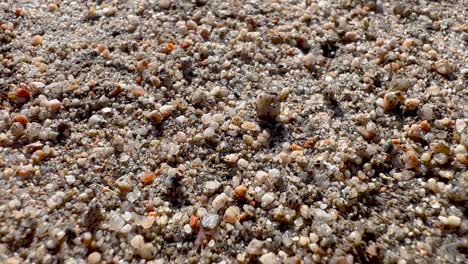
(229, 131)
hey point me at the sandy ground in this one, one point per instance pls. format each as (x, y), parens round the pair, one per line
(233, 131)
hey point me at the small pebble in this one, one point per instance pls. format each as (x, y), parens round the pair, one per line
(444, 67)
(52, 7)
(355, 237)
(219, 201)
(390, 101)
(231, 215)
(267, 199)
(36, 40)
(210, 221)
(269, 258)
(268, 107)
(412, 104)
(94, 258)
(255, 247)
(453, 221)
(147, 251)
(309, 61)
(137, 241)
(164, 4)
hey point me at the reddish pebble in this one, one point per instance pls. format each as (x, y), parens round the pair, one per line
(425, 126)
(147, 177)
(310, 142)
(116, 91)
(205, 33)
(194, 222)
(38, 155)
(23, 91)
(21, 119)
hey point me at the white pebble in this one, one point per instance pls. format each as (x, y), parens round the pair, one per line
(453, 221)
(209, 133)
(231, 215)
(147, 251)
(355, 237)
(70, 179)
(267, 199)
(219, 201)
(269, 258)
(261, 176)
(187, 229)
(54, 105)
(210, 221)
(242, 163)
(137, 241)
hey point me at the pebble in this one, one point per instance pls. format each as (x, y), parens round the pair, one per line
(147, 251)
(70, 179)
(444, 67)
(268, 107)
(350, 36)
(124, 184)
(231, 215)
(212, 186)
(187, 229)
(94, 258)
(54, 105)
(261, 176)
(36, 40)
(52, 7)
(13, 260)
(309, 61)
(209, 133)
(166, 110)
(303, 241)
(165, 4)
(269, 258)
(401, 84)
(390, 101)
(267, 199)
(242, 163)
(355, 237)
(147, 222)
(426, 112)
(155, 117)
(231, 158)
(255, 247)
(95, 121)
(219, 201)
(412, 104)
(137, 241)
(240, 191)
(147, 177)
(411, 160)
(453, 221)
(137, 91)
(210, 221)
